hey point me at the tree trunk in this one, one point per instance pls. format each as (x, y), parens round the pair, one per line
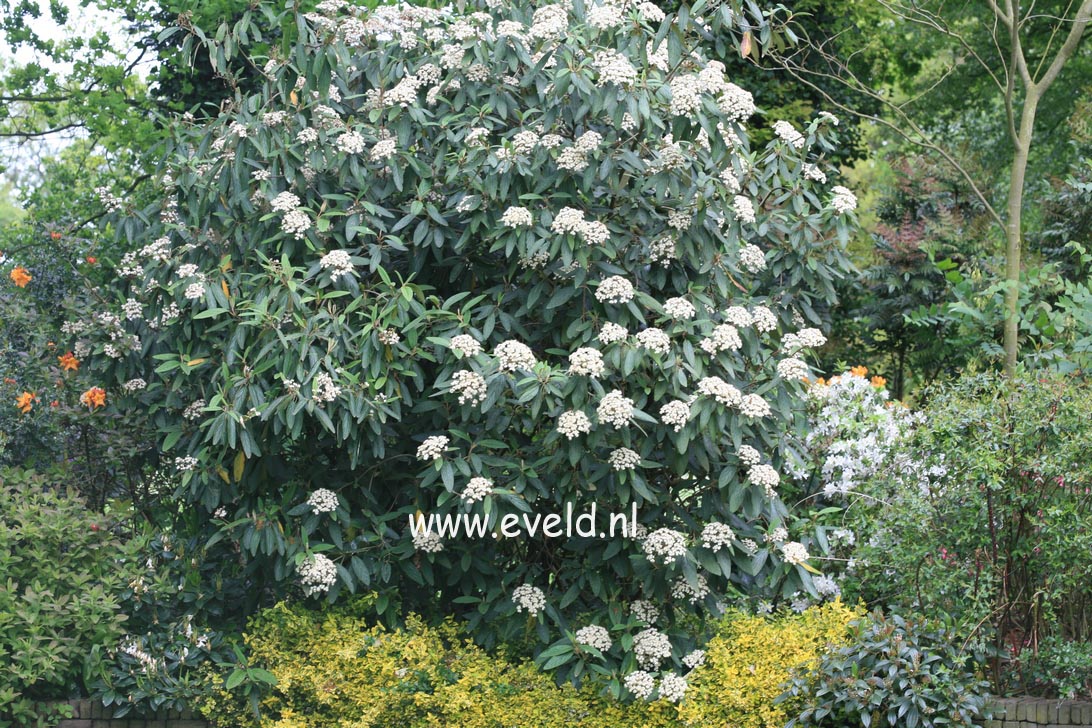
(1014, 230)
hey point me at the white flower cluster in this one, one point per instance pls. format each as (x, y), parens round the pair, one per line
(855, 435)
(467, 344)
(469, 386)
(720, 390)
(662, 250)
(680, 219)
(748, 455)
(516, 216)
(132, 309)
(351, 142)
(615, 289)
(724, 337)
(752, 258)
(743, 209)
(717, 535)
(612, 332)
(794, 553)
(694, 659)
(323, 388)
(640, 683)
(285, 202)
(384, 149)
(764, 319)
(338, 263)
(613, 68)
(738, 316)
(644, 611)
(605, 16)
(765, 476)
(736, 103)
(317, 574)
(803, 339)
(679, 308)
(752, 405)
(194, 291)
(194, 410)
(185, 464)
(792, 369)
(843, 201)
(673, 687)
(571, 221)
(427, 542)
(594, 636)
(813, 172)
(675, 414)
(432, 448)
(134, 385)
(586, 361)
(322, 500)
(477, 489)
(573, 423)
(788, 134)
(654, 340)
(651, 647)
(528, 598)
(623, 459)
(664, 546)
(615, 410)
(777, 535)
(684, 590)
(296, 223)
(827, 587)
(513, 355)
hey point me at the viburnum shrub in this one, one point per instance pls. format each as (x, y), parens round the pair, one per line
(487, 261)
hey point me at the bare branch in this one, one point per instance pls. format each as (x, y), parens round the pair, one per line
(920, 16)
(1072, 41)
(910, 131)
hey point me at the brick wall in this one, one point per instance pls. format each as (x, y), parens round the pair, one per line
(1041, 713)
(92, 714)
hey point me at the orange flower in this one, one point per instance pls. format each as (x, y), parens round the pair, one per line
(91, 260)
(20, 276)
(94, 397)
(54, 403)
(69, 363)
(859, 371)
(25, 401)
(9, 380)
(879, 382)
(55, 235)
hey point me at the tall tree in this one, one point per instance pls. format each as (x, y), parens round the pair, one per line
(1001, 59)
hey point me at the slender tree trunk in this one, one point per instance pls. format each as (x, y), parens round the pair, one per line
(1014, 231)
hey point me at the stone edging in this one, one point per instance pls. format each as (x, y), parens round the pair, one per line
(1040, 713)
(92, 714)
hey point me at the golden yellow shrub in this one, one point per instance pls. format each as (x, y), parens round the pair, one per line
(333, 669)
(750, 659)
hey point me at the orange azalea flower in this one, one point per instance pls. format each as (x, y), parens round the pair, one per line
(55, 235)
(859, 371)
(878, 382)
(94, 397)
(25, 401)
(20, 276)
(69, 363)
